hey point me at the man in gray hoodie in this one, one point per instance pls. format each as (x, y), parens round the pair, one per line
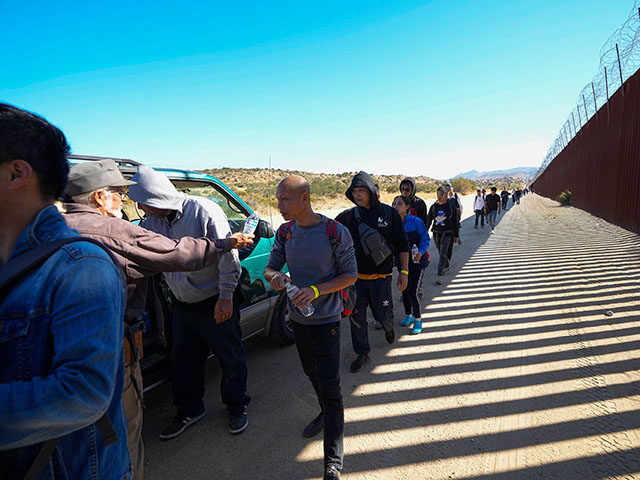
(206, 314)
(97, 190)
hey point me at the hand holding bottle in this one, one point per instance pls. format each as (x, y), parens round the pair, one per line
(300, 299)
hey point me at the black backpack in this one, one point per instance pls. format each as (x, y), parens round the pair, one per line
(373, 243)
(10, 275)
(348, 294)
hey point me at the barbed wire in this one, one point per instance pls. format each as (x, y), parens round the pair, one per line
(619, 60)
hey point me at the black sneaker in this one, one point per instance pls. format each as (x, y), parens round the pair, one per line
(361, 360)
(390, 335)
(179, 425)
(315, 426)
(238, 423)
(331, 473)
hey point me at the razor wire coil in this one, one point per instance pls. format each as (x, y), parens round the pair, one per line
(619, 60)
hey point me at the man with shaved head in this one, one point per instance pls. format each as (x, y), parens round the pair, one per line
(321, 259)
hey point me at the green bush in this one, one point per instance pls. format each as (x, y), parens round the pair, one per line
(564, 198)
(463, 185)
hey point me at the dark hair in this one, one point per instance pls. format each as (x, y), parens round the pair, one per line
(29, 137)
(494, 189)
(406, 200)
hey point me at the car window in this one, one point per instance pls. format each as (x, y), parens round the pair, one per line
(234, 213)
(235, 216)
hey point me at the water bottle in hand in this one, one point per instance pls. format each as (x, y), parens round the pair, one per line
(291, 291)
(251, 224)
(414, 253)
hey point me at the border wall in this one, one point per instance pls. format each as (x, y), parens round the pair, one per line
(601, 163)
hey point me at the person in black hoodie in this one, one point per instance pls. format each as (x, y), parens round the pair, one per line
(373, 286)
(444, 217)
(418, 207)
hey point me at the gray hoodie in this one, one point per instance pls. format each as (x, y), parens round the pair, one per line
(195, 217)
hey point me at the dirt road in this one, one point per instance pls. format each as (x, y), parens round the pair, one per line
(528, 367)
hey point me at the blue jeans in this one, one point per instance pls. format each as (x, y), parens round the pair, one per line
(319, 352)
(375, 294)
(195, 334)
(491, 218)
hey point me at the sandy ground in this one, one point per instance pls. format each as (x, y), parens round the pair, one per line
(519, 373)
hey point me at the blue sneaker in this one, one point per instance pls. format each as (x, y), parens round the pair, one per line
(408, 320)
(417, 326)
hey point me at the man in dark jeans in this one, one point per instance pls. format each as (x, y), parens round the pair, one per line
(478, 208)
(374, 281)
(494, 207)
(321, 260)
(444, 217)
(206, 314)
(504, 195)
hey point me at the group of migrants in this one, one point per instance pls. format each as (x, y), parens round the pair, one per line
(73, 286)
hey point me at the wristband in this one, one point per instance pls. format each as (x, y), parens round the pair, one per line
(404, 271)
(315, 289)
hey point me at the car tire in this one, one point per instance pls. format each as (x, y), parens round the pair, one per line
(281, 330)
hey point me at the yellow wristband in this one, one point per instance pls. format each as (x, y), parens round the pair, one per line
(404, 271)
(315, 289)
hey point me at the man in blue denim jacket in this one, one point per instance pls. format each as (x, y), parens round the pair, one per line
(61, 357)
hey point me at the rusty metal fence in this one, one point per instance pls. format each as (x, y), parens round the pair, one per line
(601, 164)
(596, 154)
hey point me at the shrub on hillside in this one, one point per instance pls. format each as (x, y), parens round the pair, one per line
(564, 198)
(463, 185)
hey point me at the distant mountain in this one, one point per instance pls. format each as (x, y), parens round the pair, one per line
(519, 172)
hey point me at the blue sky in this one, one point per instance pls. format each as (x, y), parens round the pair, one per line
(423, 88)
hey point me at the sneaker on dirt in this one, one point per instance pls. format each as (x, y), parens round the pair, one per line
(238, 423)
(179, 425)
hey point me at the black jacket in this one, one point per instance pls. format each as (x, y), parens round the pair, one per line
(380, 216)
(418, 207)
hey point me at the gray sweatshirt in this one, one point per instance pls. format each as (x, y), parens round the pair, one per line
(195, 217)
(310, 257)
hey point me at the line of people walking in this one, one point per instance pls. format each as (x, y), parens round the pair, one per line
(70, 325)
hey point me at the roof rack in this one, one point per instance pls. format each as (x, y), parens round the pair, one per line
(119, 161)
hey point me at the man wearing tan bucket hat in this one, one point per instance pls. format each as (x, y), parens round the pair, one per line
(97, 190)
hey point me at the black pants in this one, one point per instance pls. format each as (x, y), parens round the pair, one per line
(375, 294)
(319, 352)
(450, 247)
(195, 334)
(480, 215)
(410, 294)
(443, 241)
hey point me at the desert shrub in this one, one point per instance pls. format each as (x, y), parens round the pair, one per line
(463, 185)
(428, 187)
(564, 198)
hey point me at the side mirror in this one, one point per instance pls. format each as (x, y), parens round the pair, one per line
(264, 230)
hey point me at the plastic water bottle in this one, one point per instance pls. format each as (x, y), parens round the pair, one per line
(251, 224)
(291, 291)
(414, 253)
